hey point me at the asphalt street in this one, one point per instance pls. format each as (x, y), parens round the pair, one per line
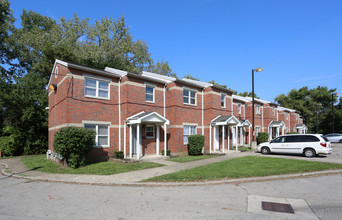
(315, 198)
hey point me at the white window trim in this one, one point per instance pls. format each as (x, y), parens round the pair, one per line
(96, 144)
(56, 72)
(193, 90)
(239, 108)
(286, 116)
(154, 92)
(189, 125)
(257, 109)
(154, 131)
(273, 111)
(97, 80)
(257, 130)
(224, 100)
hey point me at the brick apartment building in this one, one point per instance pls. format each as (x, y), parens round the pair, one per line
(143, 114)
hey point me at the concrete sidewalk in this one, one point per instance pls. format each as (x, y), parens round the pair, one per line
(14, 167)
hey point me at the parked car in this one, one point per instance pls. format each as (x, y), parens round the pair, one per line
(308, 144)
(334, 137)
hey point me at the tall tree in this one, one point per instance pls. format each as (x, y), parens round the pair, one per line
(29, 53)
(314, 106)
(6, 27)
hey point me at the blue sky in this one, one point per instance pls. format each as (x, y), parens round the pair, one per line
(297, 42)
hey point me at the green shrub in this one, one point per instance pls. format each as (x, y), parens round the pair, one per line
(73, 144)
(168, 152)
(10, 141)
(196, 144)
(262, 137)
(292, 132)
(119, 154)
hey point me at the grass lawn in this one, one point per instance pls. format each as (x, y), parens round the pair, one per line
(39, 163)
(249, 166)
(191, 158)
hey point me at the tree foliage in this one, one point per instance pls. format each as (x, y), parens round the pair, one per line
(215, 83)
(27, 55)
(189, 76)
(161, 67)
(246, 94)
(315, 106)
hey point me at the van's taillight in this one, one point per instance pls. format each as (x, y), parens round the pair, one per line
(323, 144)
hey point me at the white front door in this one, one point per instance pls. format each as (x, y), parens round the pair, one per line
(216, 138)
(135, 143)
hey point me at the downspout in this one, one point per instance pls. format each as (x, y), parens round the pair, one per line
(119, 113)
(202, 112)
(262, 118)
(164, 99)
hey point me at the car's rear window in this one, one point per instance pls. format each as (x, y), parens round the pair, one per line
(326, 139)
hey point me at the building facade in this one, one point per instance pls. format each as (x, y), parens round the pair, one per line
(143, 114)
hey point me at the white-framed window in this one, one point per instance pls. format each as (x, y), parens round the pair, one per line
(149, 93)
(257, 130)
(102, 134)
(273, 111)
(188, 130)
(239, 108)
(286, 116)
(257, 109)
(223, 100)
(96, 88)
(189, 96)
(150, 131)
(56, 72)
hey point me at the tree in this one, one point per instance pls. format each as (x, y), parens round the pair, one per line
(29, 53)
(189, 76)
(246, 94)
(161, 67)
(215, 83)
(6, 27)
(107, 42)
(314, 106)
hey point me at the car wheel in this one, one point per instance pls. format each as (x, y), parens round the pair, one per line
(265, 150)
(340, 141)
(309, 152)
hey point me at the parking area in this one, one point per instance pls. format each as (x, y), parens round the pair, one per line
(335, 157)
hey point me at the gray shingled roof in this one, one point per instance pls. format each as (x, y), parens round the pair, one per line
(140, 115)
(276, 123)
(222, 118)
(299, 125)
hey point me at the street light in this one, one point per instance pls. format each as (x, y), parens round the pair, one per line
(332, 105)
(256, 70)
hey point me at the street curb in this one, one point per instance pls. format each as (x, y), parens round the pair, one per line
(180, 184)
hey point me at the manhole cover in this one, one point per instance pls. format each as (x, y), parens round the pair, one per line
(276, 207)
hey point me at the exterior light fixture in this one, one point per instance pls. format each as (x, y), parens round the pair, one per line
(53, 87)
(256, 70)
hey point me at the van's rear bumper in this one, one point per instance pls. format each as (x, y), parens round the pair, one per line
(327, 151)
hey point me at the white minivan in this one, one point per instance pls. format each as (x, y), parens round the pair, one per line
(308, 144)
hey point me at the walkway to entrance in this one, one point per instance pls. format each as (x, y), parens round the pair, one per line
(17, 168)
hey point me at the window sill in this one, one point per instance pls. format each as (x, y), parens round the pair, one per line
(94, 97)
(149, 137)
(151, 102)
(189, 104)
